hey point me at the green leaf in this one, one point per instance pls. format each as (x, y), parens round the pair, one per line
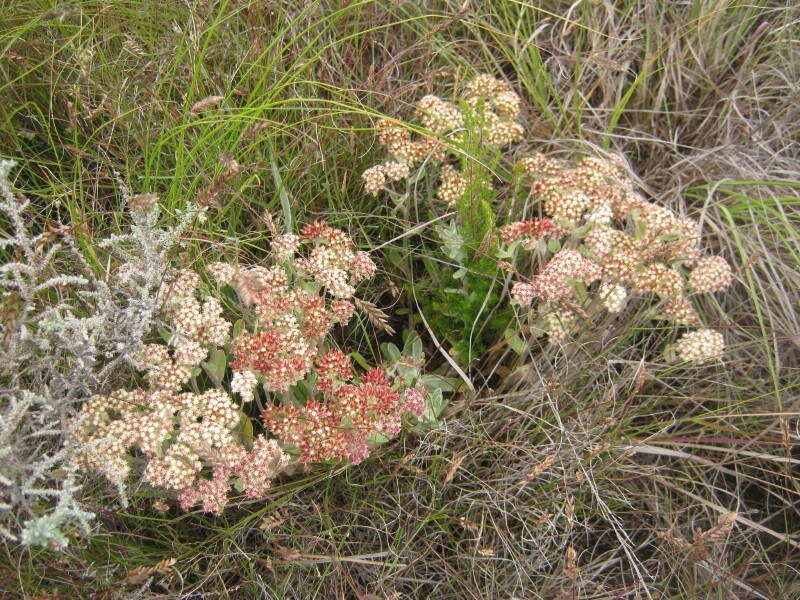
(391, 353)
(406, 372)
(539, 328)
(394, 257)
(432, 381)
(245, 428)
(286, 202)
(640, 228)
(506, 252)
(515, 342)
(216, 365)
(435, 406)
(452, 242)
(362, 362)
(238, 327)
(581, 231)
(416, 348)
(301, 391)
(376, 438)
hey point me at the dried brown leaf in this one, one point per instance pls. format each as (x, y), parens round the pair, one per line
(678, 541)
(247, 286)
(288, 553)
(451, 472)
(538, 469)
(375, 315)
(468, 525)
(269, 222)
(141, 574)
(598, 449)
(270, 523)
(143, 201)
(571, 563)
(230, 164)
(719, 531)
(569, 510)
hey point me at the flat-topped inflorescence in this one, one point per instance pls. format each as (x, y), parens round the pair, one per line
(615, 245)
(487, 109)
(194, 442)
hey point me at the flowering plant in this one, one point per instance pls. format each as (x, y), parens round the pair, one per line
(66, 332)
(463, 304)
(281, 357)
(599, 241)
(485, 116)
(605, 242)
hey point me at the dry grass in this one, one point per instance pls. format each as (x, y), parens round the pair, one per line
(592, 471)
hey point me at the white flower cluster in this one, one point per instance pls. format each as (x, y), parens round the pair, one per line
(613, 295)
(559, 324)
(284, 246)
(328, 266)
(179, 432)
(710, 274)
(487, 109)
(453, 185)
(439, 115)
(700, 346)
(374, 179)
(190, 353)
(244, 383)
(222, 272)
(196, 321)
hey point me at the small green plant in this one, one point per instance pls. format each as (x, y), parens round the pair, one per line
(407, 365)
(462, 298)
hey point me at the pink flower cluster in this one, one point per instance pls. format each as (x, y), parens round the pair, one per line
(350, 412)
(279, 359)
(254, 469)
(292, 319)
(555, 281)
(530, 232)
(193, 442)
(612, 235)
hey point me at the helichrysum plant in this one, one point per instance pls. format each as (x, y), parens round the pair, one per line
(599, 243)
(66, 334)
(485, 113)
(280, 356)
(463, 305)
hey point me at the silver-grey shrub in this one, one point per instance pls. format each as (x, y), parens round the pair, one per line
(66, 335)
